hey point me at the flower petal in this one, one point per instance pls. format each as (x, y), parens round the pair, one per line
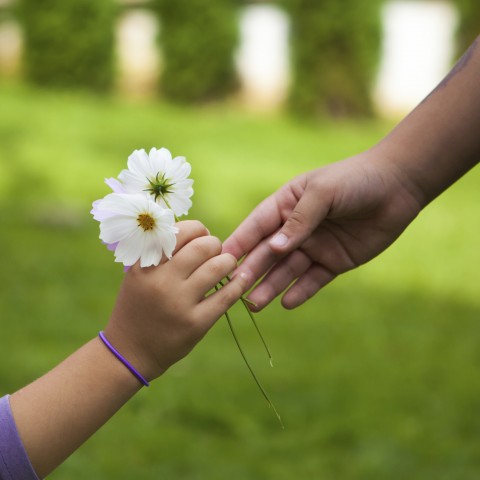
(138, 162)
(129, 250)
(115, 185)
(115, 229)
(152, 251)
(111, 246)
(179, 169)
(98, 213)
(159, 160)
(180, 204)
(168, 240)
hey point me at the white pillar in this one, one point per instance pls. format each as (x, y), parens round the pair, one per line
(418, 48)
(137, 53)
(263, 56)
(10, 48)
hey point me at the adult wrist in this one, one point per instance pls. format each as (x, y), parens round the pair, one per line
(402, 176)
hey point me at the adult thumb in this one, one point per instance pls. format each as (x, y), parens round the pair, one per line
(310, 210)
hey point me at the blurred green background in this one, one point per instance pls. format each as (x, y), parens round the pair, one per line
(377, 377)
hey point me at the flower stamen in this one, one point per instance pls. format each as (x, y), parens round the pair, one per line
(146, 221)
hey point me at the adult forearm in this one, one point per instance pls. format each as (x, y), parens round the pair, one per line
(439, 141)
(61, 410)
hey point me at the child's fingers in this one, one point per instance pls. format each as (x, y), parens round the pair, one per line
(189, 230)
(211, 273)
(196, 253)
(216, 304)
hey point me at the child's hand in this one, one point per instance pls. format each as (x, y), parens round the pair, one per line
(162, 312)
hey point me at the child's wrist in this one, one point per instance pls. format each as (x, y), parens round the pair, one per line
(123, 360)
(133, 354)
(113, 369)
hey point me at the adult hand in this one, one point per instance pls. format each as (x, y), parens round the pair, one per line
(321, 224)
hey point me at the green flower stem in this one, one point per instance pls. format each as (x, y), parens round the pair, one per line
(250, 314)
(249, 302)
(264, 393)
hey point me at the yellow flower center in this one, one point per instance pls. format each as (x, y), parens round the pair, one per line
(146, 221)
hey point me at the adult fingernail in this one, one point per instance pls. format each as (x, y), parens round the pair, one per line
(279, 240)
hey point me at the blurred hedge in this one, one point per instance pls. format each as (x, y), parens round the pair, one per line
(197, 39)
(335, 50)
(469, 23)
(68, 42)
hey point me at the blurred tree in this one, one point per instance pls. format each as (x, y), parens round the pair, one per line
(469, 23)
(68, 43)
(335, 50)
(198, 39)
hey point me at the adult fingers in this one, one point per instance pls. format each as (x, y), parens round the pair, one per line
(257, 262)
(261, 259)
(304, 218)
(328, 258)
(279, 278)
(322, 247)
(315, 278)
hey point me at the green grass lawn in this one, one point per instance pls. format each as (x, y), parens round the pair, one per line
(377, 377)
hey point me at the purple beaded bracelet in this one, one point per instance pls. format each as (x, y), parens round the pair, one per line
(140, 377)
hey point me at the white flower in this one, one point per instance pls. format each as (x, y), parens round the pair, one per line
(137, 227)
(162, 178)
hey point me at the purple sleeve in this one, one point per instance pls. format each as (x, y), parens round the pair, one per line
(14, 462)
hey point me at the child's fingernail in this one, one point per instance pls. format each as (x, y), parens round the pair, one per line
(279, 240)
